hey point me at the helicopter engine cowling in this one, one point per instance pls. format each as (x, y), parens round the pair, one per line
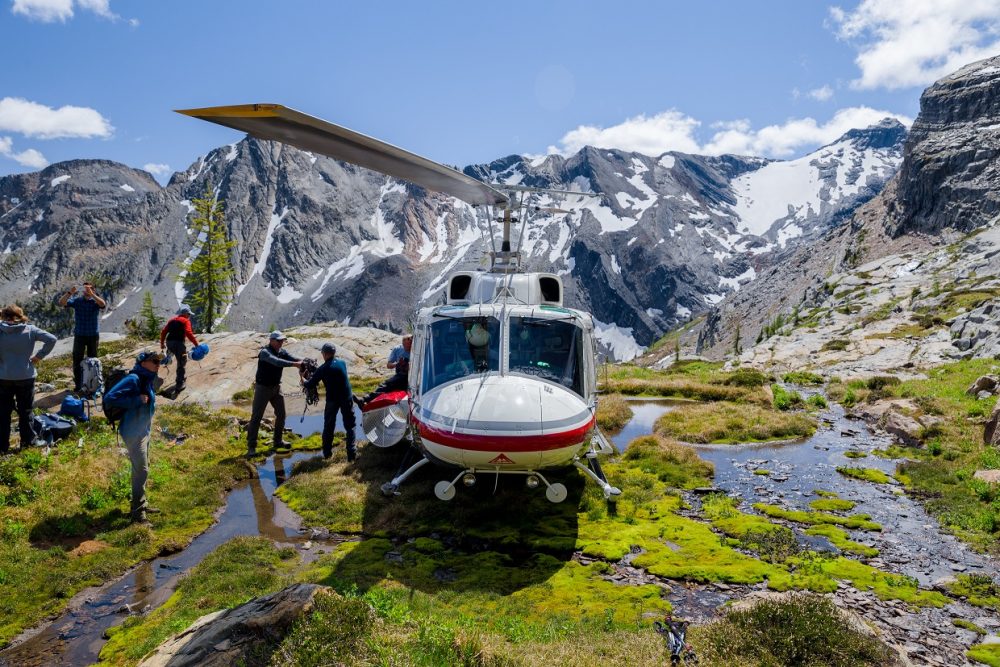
(510, 422)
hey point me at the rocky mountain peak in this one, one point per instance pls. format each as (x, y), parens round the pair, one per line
(887, 133)
(950, 176)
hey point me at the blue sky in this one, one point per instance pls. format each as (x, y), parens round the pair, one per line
(466, 82)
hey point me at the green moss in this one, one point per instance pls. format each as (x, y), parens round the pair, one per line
(988, 654)
(832, 505)
(859, 521)
(762, 472)
(980, 589)
(839, 539)
(967, 625)
(865, 474)
(855, 454)
(785, 399)
(672, 463)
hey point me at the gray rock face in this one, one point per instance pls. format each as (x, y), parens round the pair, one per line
(951, 171)
(319, 240)
(226, 637)
(947, 184)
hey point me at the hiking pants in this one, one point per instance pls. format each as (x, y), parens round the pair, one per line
(16, 395)
(178, 349)
(261, 397)
(138, 456)
(346, 410)
(83, 346)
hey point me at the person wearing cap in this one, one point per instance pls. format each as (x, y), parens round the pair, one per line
(86, 325)
(172, 338)
(17, 372)
(333, 374)
(135, 393)
(271, 361)
(399, 360)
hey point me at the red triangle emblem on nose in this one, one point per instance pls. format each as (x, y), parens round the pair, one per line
(501, 459)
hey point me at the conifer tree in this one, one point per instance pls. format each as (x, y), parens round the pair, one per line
(209, 275)
(149, 321)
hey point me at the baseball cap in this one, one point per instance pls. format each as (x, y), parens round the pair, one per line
(184, 310)
(329, 348)
(149, 356)
(277, 335)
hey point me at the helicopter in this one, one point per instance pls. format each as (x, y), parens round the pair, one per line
(503, 376)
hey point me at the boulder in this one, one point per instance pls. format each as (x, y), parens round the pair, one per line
(984, 383)
(988, 476)
(227, 637)
(991, 435)
(904, 428)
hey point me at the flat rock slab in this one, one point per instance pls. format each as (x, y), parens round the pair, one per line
(225, 637)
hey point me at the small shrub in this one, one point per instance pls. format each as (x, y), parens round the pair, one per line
(243, 395)
(772, 544)
(747, 377)
(613, 412)
(785, 399)
(798, 631)
(334, 632)
(880, 382)
(817, 401)
(835, 345)
(803, 378)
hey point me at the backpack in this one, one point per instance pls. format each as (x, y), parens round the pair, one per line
(91, 377)
(73, 407)
(113, 413)
(49, 427)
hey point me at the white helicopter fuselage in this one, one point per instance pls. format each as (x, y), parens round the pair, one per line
(526, 403)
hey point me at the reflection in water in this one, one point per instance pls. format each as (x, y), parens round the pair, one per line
(76, 637)
(645, 412)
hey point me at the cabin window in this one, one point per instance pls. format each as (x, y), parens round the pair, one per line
(548, 349)
(460, 346)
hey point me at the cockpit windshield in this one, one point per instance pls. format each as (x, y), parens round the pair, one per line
(460, 346)
(549, 349)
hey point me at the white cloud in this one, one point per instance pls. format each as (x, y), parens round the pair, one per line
(821, 94)
(675, 131)
(651, 135)
(50, 11)
(785, 139)
(913, 43)
(27, 158)
(157, 168)
(37, 120)
(45, 11)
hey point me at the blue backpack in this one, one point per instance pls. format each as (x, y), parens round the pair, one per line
(73, 407)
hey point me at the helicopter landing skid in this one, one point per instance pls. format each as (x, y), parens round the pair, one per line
(554, 492)
(391, 488)
(593, 468)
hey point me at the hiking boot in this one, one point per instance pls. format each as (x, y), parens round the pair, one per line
(153, 510)
(140, 518)
(251, 453)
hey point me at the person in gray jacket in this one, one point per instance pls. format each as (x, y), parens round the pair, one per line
(17, 372)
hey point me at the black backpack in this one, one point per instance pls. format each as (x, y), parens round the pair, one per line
(49, 428)
(113, 413)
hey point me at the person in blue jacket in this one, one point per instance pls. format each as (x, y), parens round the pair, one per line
(333, 374)
(135, 394)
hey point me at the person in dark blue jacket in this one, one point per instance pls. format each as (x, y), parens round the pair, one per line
(333, 374)
(136, 394)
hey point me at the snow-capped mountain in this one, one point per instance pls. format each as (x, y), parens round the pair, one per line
(317, 239)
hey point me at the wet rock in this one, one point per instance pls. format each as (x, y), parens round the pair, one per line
(227, 637)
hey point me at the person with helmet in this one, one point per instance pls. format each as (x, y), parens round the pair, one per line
(172, 338)
(271, 361)
(136, 394)
(333, 374)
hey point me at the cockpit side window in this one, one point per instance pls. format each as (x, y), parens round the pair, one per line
(460, 346)
(548, 349)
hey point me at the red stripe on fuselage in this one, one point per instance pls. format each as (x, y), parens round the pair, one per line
(505, 443)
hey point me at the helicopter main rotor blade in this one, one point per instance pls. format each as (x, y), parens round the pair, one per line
(279, 123)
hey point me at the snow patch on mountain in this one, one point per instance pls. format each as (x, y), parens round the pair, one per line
(618, 340)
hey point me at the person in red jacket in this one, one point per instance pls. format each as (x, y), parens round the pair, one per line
(172, 338)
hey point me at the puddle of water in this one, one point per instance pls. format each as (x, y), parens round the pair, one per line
(76, 637)
(911, 541)
(645, 412)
